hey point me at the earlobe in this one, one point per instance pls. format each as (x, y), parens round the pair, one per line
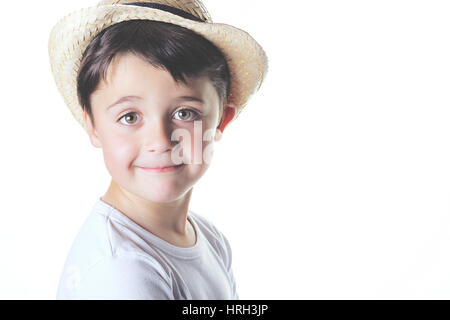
(218, 135)
(229, 111)
(91, 131)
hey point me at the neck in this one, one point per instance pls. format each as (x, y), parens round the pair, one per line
(168, 221)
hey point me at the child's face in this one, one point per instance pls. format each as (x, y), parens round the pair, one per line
(136, 133)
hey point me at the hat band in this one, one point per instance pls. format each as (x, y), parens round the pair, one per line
(166, 8)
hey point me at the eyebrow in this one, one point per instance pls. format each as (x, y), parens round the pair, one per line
(123, 99)
(131, 98)
(189, 98)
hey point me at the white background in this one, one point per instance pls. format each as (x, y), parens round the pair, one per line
(334, 183)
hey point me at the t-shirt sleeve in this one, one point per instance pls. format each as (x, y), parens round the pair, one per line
(227, 256)
(230, 270)
(124, 278)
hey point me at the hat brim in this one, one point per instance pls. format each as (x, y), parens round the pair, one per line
(69, 38)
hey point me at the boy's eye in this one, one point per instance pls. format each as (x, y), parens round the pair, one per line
(131, 118)
(128, 118)
(186, 113)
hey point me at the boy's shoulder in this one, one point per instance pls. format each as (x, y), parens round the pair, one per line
(213, 236)
(106, 247)
(107, 233)
(207, 227)
(109, 244)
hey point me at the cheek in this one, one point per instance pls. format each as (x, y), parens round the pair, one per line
(201, 159)
(198, 147)
(208, 150)
(118, 155)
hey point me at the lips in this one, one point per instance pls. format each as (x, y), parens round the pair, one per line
(169, 168)
(162, 167)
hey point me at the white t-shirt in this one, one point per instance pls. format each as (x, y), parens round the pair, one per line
(112, 257)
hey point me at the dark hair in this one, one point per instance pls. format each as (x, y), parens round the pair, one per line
(180, 51)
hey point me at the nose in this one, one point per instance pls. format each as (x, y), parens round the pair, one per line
(157, 137)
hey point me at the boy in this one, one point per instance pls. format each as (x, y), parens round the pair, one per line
(156, 85)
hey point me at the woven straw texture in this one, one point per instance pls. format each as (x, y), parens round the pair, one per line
(71, 35)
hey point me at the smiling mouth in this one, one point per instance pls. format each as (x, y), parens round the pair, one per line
(163, 169)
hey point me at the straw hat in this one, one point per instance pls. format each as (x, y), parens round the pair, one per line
(71, 35)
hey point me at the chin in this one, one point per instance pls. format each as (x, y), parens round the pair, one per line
(163, 196)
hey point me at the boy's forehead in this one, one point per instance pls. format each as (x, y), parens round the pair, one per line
(201, 88)
(130, 75)
(131, 69)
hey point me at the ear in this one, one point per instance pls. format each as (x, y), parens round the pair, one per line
(95, 141)
(229, 110)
